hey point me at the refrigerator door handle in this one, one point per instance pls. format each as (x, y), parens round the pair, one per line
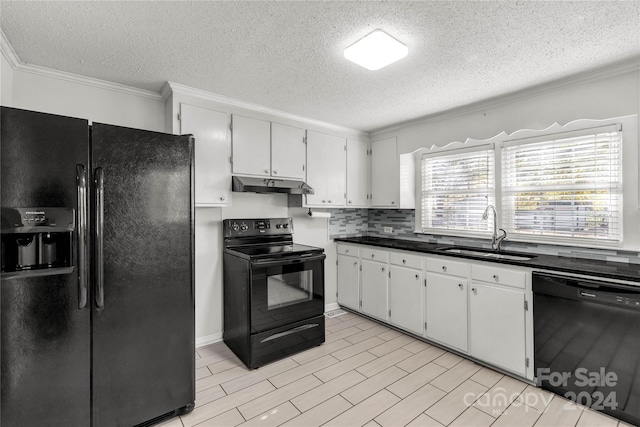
(83, 270)
(99, 240)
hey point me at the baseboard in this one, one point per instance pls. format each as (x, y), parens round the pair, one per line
(208, 339)
(331, 306)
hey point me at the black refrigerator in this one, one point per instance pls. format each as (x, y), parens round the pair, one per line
(97, 295)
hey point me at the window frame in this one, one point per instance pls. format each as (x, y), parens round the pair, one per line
(451, 149)
(628, 126)
(563, 239)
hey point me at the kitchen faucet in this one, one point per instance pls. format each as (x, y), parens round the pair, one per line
(496, 240)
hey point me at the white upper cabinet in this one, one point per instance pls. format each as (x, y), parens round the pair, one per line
(287, 152)
(358, 168)
(251, 146)
(211, 154)
(384, 174)
(262, 148)
(392, 176)
(326, 169)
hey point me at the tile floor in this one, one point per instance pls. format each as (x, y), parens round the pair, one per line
(367, 374)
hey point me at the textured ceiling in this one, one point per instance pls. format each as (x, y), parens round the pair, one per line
(289, 55)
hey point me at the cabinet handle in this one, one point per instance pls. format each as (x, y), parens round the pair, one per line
(393, 203)
(329, 201)
(355, 263)
(461, 286)
(444, 268)
(474, 290)
(373, 255)
(275, 172)
(324, 201)
(349, 201)
(495, 277)
(382, 269)
(223, 198)
(417, 276)
(404, 261)
(347, 251)
(266, 171)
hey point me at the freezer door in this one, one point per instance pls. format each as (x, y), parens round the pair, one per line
(45, 348)
(143, 305)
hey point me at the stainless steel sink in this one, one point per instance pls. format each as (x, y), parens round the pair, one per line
(480, 253)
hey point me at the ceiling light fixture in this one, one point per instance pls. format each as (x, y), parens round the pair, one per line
(376, 50)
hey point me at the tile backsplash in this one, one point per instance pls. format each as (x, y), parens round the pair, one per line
(372, 222)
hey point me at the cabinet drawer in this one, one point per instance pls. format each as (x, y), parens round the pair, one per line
(348, 250)
(446, 266)
(373, 254)
(405, 260)
(502, 276)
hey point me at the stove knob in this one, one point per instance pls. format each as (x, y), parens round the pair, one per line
(285, 225)
(278, 225)
(244, 227)
(235, 227)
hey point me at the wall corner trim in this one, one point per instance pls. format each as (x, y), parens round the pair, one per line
(18, 65)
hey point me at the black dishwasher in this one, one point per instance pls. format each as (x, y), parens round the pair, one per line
(587, 342)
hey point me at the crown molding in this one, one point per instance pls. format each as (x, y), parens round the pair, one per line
(611, 70)
(171, 87)
(8, 52)
(18, 65)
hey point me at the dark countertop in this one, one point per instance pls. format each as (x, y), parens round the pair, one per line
(589, 267)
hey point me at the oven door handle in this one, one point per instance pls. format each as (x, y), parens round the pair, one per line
(289, 260)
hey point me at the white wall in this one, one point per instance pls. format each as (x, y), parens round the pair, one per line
(64, 94)
(601, 98)
(6, 81)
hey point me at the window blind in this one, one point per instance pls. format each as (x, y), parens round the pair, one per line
(456, 188)
(564, 188)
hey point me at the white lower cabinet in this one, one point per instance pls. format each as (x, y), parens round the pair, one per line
(405, 298)
(349, 281)
(477, 308)
(446, 310)
(497, 326)
(373, 289)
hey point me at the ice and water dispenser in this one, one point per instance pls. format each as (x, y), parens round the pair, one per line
(37, 241)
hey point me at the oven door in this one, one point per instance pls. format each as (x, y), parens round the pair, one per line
(286, 290)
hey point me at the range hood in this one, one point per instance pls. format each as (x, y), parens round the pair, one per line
(269, 185)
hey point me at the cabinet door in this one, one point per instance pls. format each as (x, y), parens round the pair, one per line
(211, 154)
(373, 289)
(326, 169)
(446, 310)
(357, 174)
(336, 172)
(349, 282)
(385, 177)
(405, 298)
(287, 152)
(316, 169)
(251, 142)
(497, 326)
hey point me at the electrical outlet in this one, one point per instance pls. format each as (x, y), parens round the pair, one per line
(388, 229)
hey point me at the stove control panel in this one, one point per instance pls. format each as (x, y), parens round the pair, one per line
(257, 227)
